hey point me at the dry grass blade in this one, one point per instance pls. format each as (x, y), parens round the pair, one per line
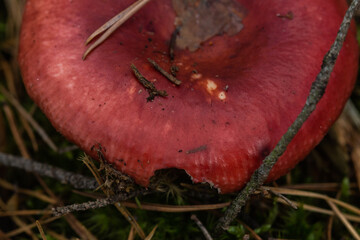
(252, 232)
(355, 156)
(131, 233)
(25, 212)
(2, 236)
(316, 195)
(341, 216)
(346, 130)
(175, 209)
(29, 118)
(30, 133)
(152, 233)
(40, 196)
(75, 224)
(8, 74)
(30, 226)
(79, 228)
(93, 170)
(15, 10)
(56, 235)
(109, 27)
(329, 228)
(11, 205)
(315, 209)
(334, 187)
(112, 21)
(15, 132)
(3, 137)
(10, 80)
(89, 194)
(41, 230)
(128, 216)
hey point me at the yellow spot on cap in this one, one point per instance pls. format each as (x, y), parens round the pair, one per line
(222, 95)
(211, 86)
(196, 76)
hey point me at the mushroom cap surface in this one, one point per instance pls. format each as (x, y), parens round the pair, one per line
(239, 94)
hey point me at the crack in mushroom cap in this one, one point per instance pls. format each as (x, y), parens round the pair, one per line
(238, 97)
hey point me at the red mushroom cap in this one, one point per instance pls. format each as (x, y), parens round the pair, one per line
(222, 121)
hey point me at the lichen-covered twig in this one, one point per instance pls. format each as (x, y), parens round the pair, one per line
(317, 90)
(99, 203)
(76, 180)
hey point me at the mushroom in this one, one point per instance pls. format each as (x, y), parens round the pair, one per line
(239, 92)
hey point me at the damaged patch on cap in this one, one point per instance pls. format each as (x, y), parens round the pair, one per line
(198, 20)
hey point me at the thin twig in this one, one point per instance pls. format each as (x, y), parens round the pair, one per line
(170, 77)
(76, 180)
(201, 226)
(288, 201)
(173, 43)
(317, 91)
(99, 203)
(109, 27)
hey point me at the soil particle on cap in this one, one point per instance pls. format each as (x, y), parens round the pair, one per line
(198, 149)
(174, 70)
(289, 15)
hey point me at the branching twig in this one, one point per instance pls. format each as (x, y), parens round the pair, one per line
(288, 201)
(76, 180)
(99, 203)
(316, 93)
(149, 86)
